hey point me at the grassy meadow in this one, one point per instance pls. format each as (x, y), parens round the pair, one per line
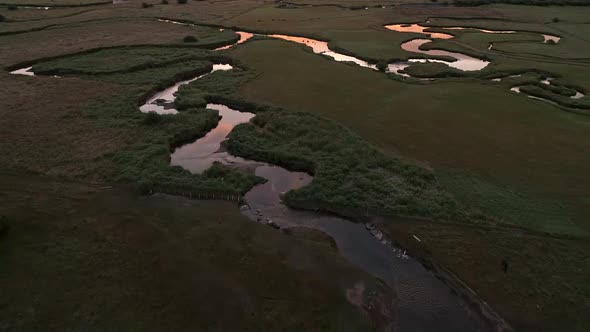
(109, 259)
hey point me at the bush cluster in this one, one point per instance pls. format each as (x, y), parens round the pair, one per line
(543, 92)
(190, 39)
(350, 174)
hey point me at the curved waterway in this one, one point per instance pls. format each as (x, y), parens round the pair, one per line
(196, 157)
(321, 47)
(163, 101)
(244, 36)
(422, 302)
(462, 61)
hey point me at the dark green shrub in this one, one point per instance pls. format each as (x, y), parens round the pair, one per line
(2, 19)
(182, 2)
(146, 5)
(12, 7)
(190, 39)
(3, 224)
(152, 118)
(555, 20)
(382, 66)
(164, 2)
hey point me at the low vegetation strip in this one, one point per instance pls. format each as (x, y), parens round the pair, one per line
(124, 60)
(543, 92)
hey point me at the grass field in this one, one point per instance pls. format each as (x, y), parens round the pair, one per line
(67, 141)
(461, 124)
(555, 302)
(161, 263)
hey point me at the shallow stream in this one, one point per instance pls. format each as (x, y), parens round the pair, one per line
(423, 302)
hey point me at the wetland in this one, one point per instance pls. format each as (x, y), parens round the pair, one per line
(300, 166)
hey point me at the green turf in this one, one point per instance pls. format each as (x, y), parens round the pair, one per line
(509, 203)
(106, 259)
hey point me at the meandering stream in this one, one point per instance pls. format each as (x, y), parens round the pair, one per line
(422, 303)
(321, 47)
(462, 61)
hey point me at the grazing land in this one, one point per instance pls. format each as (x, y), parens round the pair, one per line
(453, 166)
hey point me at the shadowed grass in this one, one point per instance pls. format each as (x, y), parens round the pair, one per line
(121, 262)
(545, 287)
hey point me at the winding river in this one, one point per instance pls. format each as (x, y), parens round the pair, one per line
(321, 47)
(423, 302)
(462, 61)
(163, 101)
